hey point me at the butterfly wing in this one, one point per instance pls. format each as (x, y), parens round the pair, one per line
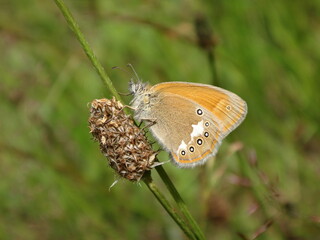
(203, 142)
(226, 106)
(192, 119)
(189, 138)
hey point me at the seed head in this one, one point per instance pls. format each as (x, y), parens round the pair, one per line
(121, 141)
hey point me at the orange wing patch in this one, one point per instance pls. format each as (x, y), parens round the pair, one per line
(229, 108)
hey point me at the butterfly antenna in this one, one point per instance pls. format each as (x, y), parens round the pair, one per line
(122, 69)
(135, 73)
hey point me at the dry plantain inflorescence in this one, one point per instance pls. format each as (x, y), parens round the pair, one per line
(121, 141)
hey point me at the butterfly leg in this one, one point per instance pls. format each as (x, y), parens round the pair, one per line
(149, 122)
(124, 94)
(128, 106)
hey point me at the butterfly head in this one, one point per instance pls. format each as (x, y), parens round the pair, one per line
(141, 96)
(137, 87)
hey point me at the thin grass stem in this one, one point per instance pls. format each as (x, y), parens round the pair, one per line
(87, 49)
(166, 205)
(194, 232)
(181, 204)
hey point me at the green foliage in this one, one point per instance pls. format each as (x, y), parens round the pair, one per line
(54, 181)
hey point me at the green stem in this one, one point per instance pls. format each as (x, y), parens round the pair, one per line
(258, 188)
(164, 202)
(181, 204)
(213, 68)
(195, 233)
(96, 64)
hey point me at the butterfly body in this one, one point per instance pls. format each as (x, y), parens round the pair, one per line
(190, 120)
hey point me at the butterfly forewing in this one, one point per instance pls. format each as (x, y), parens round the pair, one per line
(229, 108)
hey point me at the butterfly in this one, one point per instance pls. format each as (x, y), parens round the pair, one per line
(190, 120)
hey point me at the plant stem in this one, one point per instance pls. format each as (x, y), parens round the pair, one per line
(164, 202)
(213, 68)
(181, 204)
(258, 188)
(194, 232)
(96, 64)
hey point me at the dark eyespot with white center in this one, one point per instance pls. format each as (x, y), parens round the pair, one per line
(199, 141)
(183, 152)
(207, 124)
(228, 107)
(206, 134)
(199, 111)
(191, 149)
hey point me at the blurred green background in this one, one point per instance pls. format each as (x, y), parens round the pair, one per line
(265, 180)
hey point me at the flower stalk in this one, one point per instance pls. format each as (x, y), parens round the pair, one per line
(187, 224)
